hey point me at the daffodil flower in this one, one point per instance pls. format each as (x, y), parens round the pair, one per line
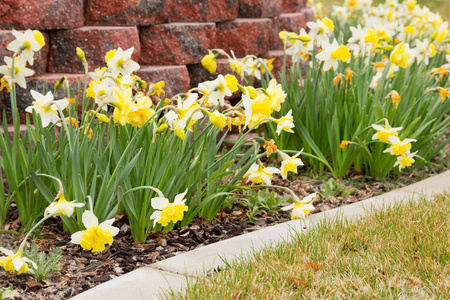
(332, 53)
(404, 161)
(259, 174)
(300, 209)
(319, 32)
(26, 44)
(121, 62)
(401, 55)
(399, 147)
(289, 164)
(46, 107)
(96, 235)
(62, 206)
(20, 71)
(285, 123)
(166, 212)
(15, 261)
(209, 61)
(383, 133)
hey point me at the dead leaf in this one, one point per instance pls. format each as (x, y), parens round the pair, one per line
(394, 281)
(32, 284)
(313, 265)
(415, 281)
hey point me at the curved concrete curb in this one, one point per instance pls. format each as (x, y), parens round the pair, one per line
(148, 282)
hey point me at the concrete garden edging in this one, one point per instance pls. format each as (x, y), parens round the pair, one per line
(172, 273)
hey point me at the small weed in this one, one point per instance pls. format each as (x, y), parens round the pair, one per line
(262, 202)
(47, 264)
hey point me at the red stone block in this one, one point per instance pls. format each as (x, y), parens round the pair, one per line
(309, 14)
(95, 42)
(42, 84)
(42, 14)
(244, 36)
(198, 73)
(278, 62)
(175, 77)
(203, 11)
(293, 5)
(131, 12)
(259, 8)
(176, 43)
(291, 22)
(40, 57)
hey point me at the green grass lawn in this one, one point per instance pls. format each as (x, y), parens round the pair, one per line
(441, 6)
(398, 253)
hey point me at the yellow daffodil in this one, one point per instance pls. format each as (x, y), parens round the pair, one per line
(300, 209)
(166, 212)
(15, 261)
(400, 56)
(157, 88)
(143, 112)
(277, 95)
(399, 147)
(218, 119)
(289, 164)
(404, 161)
(383, 133)
(96, 235)
(258, 174)
(209, 61)
(285, 123)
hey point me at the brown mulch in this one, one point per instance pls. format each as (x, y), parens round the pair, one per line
(82, 270)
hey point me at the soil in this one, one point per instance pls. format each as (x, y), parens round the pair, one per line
(82, 270)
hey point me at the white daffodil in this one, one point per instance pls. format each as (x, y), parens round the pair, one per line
(20, 71)
(332, 53)
(96, 235)
(252, 67)
(46, 107)
(399, 147)
(218, 90)
(258, 174)
(26, 44)
(62, 206)
(285, 123)
(289, 164)
(121, 63)
(423, 51)
(319, 32)
(300, 209)
(15, 261)
(103, 93)
(166, 212)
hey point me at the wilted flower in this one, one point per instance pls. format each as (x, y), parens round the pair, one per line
(64, 207)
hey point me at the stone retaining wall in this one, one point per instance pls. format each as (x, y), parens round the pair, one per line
(170, 37)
